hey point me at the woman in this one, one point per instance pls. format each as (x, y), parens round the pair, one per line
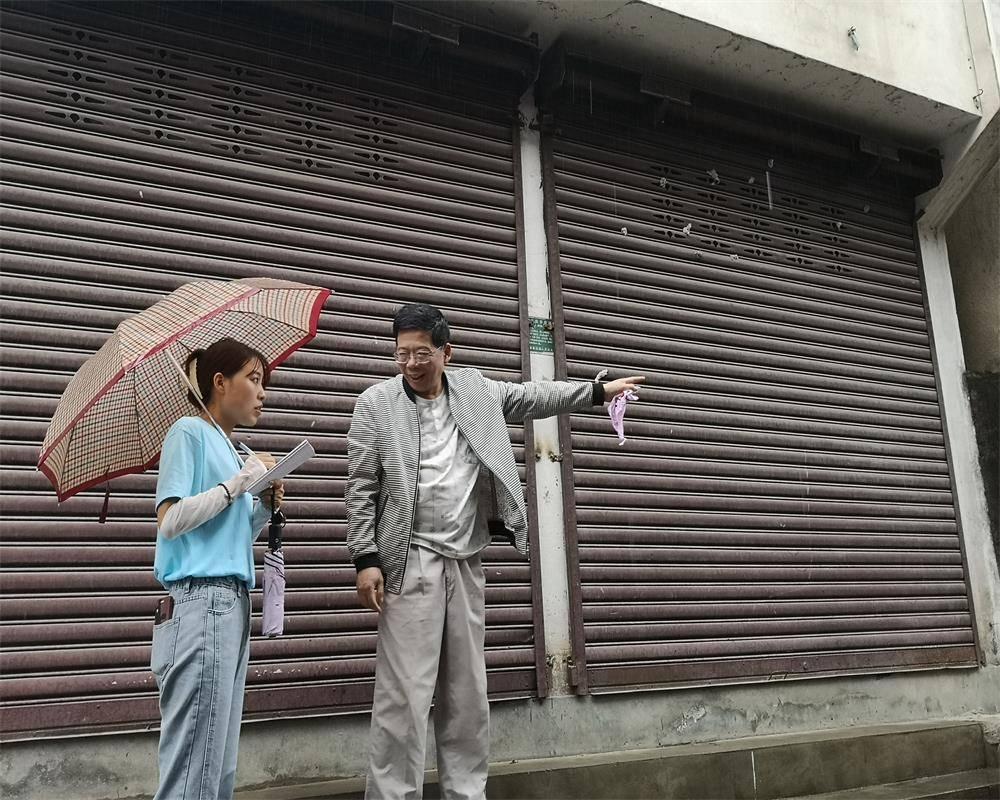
(207, 525)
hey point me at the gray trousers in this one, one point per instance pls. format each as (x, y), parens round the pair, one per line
(199, 659)
(430, 646)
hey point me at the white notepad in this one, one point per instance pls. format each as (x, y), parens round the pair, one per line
(300, 455)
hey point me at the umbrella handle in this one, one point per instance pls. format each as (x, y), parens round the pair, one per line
(274, 530)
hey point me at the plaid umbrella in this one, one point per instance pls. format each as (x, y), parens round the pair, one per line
(113, 416)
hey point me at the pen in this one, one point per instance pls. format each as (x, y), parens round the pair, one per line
(245, 449)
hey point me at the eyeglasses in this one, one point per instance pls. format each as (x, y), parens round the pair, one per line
(420, 357)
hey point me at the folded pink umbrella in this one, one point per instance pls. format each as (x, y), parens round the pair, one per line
(274, 593)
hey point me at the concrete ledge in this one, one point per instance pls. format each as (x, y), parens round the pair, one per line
(312, 752)
(980, 783)
(759, 767)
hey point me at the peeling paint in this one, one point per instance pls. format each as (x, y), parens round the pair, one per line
(690, 717)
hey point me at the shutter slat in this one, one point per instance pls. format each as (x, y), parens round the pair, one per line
(854, 625)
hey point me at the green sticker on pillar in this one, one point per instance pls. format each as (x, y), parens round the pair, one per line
(541, 335)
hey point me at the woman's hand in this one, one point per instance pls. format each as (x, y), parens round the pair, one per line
(252, 470)
(278, 487)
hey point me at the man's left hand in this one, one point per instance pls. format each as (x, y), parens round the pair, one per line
(622, 384)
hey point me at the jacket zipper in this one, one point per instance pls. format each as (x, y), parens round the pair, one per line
(413, 509)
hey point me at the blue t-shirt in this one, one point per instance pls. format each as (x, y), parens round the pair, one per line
(196, 457)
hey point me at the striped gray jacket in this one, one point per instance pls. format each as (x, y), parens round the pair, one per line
(383, 457)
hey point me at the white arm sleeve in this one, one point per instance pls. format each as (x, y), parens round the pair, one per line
(188, 513)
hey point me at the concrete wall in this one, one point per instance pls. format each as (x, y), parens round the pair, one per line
(973, 234)
(967, 484)
(944, 51)
(993, 8)
(920, 46)
(911, 82)
(984, 38)
(315, 749)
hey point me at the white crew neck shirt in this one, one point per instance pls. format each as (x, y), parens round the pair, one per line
(447, 518)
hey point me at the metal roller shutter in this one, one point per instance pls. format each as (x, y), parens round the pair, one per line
(143, 152)
(783, 504)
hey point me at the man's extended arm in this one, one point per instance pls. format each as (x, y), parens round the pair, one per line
(539, 399)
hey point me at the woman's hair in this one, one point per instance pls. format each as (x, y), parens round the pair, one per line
(226, 356)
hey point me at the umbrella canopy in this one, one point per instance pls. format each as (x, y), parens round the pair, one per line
(114, 413)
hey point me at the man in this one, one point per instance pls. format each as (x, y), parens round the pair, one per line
(431, 475)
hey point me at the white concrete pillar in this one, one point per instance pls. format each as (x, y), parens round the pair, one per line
(551, 553)
(968, 488)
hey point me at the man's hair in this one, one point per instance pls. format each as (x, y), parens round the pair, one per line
(422, 317)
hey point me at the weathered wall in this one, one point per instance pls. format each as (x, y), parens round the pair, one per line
(973, 235)
(315, 749)
(921, 47)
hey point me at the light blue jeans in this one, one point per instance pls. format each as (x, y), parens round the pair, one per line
(199, 659)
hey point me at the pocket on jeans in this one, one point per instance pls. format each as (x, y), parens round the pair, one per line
(224, 601)
(161, 658)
